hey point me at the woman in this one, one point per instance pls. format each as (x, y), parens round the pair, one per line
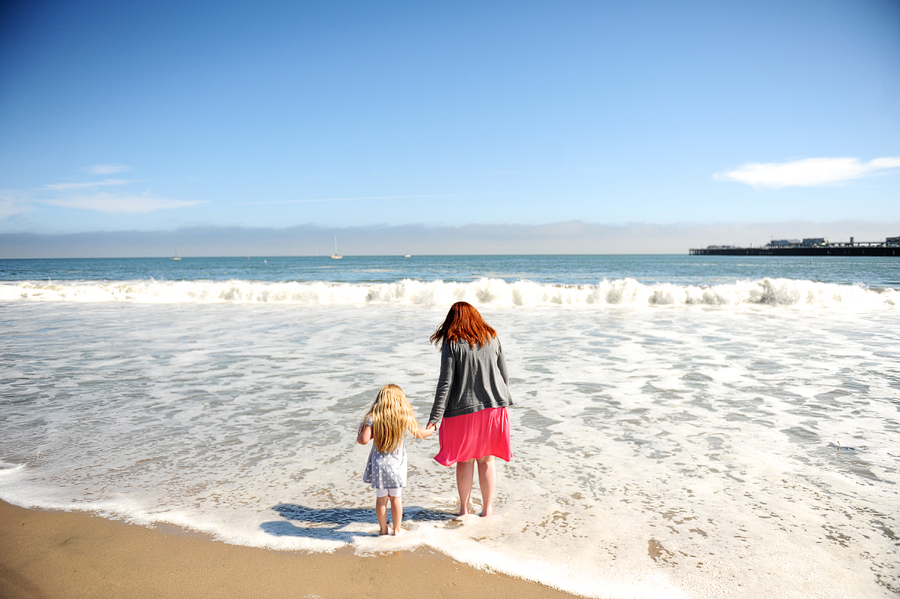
(471, 397)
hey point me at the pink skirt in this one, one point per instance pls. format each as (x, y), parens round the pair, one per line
(473, 436)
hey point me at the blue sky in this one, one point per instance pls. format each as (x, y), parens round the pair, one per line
(160, 116)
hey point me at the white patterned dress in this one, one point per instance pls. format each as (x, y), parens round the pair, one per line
(386, 470)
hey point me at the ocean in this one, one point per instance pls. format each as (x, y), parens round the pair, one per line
(684, 426)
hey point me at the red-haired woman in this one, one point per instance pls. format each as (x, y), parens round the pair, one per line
(471, 398)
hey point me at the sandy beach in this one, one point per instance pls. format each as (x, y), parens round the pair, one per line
(64, 554)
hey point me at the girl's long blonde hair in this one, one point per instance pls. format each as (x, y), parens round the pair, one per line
(392, 417)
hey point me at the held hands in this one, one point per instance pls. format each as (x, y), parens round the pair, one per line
(427, 431)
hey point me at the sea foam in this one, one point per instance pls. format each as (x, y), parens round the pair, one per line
(485, 291)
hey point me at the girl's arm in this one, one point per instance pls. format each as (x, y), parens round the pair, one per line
(364, 435)
(421, 433)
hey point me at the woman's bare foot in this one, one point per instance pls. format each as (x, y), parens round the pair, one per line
(487, 512)
(399, 532)
(383, 533)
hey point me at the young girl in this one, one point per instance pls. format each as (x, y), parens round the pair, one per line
(387, 421)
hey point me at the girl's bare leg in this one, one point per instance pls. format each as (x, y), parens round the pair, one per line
(397, 514)
(487, 479)
(381, 513)
(465, 477)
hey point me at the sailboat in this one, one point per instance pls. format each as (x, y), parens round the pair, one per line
(176, 257)
(335, 255)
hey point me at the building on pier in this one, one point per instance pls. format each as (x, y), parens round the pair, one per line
(810, 246)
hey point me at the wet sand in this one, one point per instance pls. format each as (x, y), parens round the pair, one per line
(52, 555)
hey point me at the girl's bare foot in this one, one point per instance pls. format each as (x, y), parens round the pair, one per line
(399, 532)
(487, 512)
(383, 533)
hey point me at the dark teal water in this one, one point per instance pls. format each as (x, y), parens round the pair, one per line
(874, 272)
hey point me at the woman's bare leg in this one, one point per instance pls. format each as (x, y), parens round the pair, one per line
(487, 479)
(465, 477)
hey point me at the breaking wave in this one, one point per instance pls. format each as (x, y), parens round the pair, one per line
(494, 292)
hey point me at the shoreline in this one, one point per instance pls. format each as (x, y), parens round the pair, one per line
(51, 554)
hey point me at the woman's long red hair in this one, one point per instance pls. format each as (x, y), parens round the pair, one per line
(463, 323)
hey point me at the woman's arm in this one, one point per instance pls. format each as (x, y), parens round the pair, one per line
(364, 434)
(445, 382)
(501, 363)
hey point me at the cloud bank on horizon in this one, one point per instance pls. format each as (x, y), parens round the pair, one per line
(554, 238)
(499, 114)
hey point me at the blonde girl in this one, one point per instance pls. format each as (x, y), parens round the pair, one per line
(387, 422)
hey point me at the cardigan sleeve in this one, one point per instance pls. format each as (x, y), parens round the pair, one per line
(501, 363)
(445, 382)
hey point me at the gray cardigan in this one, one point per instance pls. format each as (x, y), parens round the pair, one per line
(472, 379)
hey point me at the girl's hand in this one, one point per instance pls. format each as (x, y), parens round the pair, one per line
(427, 431)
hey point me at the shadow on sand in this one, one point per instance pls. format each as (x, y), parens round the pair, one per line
(326, 523)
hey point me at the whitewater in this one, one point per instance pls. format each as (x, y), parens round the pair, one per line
(496, 292)
(671, 438)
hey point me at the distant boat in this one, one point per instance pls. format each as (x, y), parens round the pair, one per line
(335, 255)
(176, 257)
(407, 255)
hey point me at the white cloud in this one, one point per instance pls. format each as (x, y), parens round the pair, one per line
(115, 204)
(87, 184)
(84, 195)
(13, 203)
(107, 169)
(811, 172)
(9, 208)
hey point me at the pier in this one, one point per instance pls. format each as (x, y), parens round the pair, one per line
(816, 246)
